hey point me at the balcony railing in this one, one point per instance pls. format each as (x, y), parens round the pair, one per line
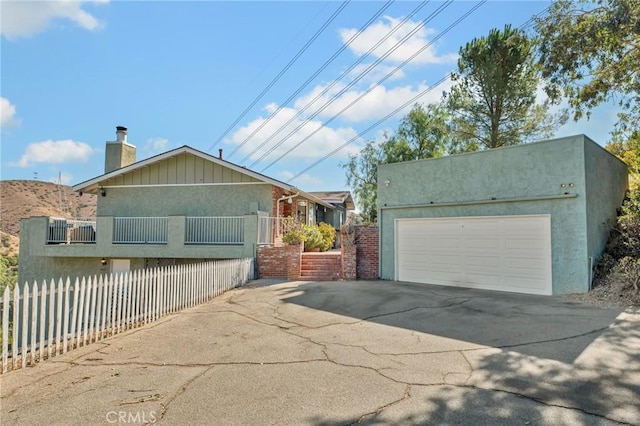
(214, 230)
(155, 230)
(140, 230)
(269, 229)
(71, 231)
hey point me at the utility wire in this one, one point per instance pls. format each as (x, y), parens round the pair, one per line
(294, 38)
(412, 100)
(315, 74)
(281, 73)
(382, 80)
(386, 117)
(346, 88)
(418, 96)
(333, 83)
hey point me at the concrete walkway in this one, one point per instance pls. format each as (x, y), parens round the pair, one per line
(378, 353)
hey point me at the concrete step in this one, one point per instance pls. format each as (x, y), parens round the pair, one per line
(319, 277)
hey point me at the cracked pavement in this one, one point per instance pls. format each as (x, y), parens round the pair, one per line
(341, 353)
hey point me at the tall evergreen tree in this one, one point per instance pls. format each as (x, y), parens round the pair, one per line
(493, 99)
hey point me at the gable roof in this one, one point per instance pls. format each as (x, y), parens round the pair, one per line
(94, 183)
(336, 197)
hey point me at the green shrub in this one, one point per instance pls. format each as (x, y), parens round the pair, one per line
(294, 236)
(313, 237)
(328, 235)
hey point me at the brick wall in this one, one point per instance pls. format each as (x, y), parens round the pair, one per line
(358, 262)
(366, 252)
(349, 262)
(294, 261)
(272, 262)
(286, 209)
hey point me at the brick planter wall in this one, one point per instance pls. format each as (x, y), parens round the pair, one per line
(294, 261)
(272, 262)
(367, 252)
(359, 261)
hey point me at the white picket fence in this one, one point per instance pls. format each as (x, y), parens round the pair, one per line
(39, 322)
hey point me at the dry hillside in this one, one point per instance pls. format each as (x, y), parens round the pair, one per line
(27, 198)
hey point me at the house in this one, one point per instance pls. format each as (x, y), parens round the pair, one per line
(342, 203)
(530, 218)
(181, 206)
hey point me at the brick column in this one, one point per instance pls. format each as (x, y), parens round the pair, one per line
(348, 262)
(294, 261)
(367, 252)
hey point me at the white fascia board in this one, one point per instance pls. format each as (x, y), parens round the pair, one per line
(95, 182)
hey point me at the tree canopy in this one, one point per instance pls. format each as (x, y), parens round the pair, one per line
(422, 133)
(590, 53)
(493, 100)
(628, 150)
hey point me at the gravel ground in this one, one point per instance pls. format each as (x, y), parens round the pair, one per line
(608, 294)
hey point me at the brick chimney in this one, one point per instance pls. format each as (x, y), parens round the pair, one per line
(119, 153)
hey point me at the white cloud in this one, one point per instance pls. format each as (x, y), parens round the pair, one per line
(373, 33)
(304, 179)
(27, 18)
(322, 142)
(377, 73)
(155, 146)
(374, 105)
(55, 152)
(7, 113)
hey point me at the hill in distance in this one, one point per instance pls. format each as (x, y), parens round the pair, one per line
(20, 199)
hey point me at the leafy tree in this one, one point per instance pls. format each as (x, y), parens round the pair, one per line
(493, 100)
(8, 272)
(422, 133)
(362, 177)
(628, 150)
(590, 53)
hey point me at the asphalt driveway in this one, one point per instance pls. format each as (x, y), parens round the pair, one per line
(377, 353)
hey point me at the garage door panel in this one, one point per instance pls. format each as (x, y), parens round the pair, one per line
(530, 244)
(480, 243)
(510, 253)
(481, 261)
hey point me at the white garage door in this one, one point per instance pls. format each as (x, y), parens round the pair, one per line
(507, 253)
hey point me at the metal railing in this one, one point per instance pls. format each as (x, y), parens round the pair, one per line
(214, 230)
(69, 231)
(269, 228)
(140, 230)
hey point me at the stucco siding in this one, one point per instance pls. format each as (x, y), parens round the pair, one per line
(606, 185)
(191, 200)
(540, 178)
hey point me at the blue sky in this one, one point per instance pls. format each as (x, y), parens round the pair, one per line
(181, 73)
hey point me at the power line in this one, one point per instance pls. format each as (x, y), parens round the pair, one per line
(281, 73)
(382, 80)
(351, 84)
(332, 84)
(412, 100)
(386, 117)
(294, 38)
(315, 74)
(391, 114)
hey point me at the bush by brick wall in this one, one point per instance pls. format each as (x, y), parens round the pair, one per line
(367, 252)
